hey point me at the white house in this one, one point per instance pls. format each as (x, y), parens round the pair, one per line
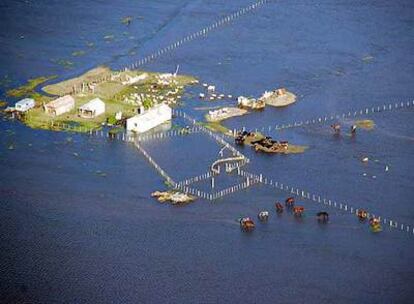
(149, 119)
(91, 109)
(24, 104)
(61, 105)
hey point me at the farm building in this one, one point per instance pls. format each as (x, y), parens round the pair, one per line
(61, 105)
(149, 119)
(24, 105)
(91, 109)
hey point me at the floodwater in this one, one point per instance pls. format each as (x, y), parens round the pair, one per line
(76, 221)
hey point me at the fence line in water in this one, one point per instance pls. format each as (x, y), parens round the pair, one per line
(330, 118)
(218, 138)
(201, 33)
(154, 164)
(215, 195)
(327, 202)
(170, 133)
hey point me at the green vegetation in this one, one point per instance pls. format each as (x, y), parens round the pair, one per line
(111, 120)
(215, 127)
(111, 87)
(3, 103)
(66, 64)
(147, 103)
(116, 130)
(27, 90)
(78, 53)
(366, 124)
(126, 20)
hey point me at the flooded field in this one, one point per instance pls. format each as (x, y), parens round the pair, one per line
(79, 225)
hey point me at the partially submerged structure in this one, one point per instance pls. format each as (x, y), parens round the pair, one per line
(24, 105)
(60, 106)
(250, 103)
(224, 113)
(92, 109)
(147, 119)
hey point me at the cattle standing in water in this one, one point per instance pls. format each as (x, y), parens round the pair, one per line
(263, 216)
(353, 129)
(298, 211)
(362, 215)
(375, 224)
(290, 202)
(323, 217)
(246, 224)
(279, 207)
(336, 128)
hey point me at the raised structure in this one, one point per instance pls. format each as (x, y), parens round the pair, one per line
(146, 120)
(93, 108)
(24, 105)
(250, 103)
(278, 98)
(224, 113)
(60, 106)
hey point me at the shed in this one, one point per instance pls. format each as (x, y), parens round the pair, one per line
(91, 109)
(61, 105)
(24, 104)
(149, 119)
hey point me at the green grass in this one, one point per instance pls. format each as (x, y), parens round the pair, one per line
(112, 92)
(215, 127)
(366, 124)
(27, 89)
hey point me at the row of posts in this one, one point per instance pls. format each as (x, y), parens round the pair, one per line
(154, 164)
(330, 118)
(219, 194)
(218, 138)
(172, 133)
(317, 198)
(203, 32)
(196, 179)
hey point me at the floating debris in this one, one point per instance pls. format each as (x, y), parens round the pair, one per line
(78, 53)
(100, 173)
(365, 159)
(174, 197)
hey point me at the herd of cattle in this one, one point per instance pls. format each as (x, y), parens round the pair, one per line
(247, 223)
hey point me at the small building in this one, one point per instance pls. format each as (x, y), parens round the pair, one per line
(148, 119)
(61, 105)
(24, 105)
(91, 109)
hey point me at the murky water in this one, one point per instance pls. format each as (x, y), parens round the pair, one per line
(78, 225)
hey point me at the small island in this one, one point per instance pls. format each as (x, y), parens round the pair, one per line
(278, 98)
(266, 144)
(224, 113)
(99, 96)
